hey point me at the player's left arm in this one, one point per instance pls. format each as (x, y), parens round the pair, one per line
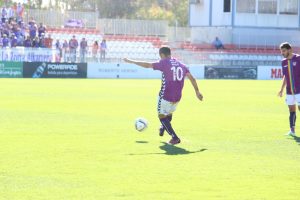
(195, 85)
(139, 63)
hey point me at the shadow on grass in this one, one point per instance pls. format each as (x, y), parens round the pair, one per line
(297, 139)
(171, 150)
(175, 150)
(141, 142)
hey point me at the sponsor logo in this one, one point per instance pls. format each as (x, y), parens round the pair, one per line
(276, 73)
(55, 70)
(62, 67)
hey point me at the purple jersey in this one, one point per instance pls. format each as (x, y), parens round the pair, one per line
(27, 43)
(41, 30)
(83, 44)
(173, 74)
(73, 44)
(5, 42)
(291, 71)
(32, 31)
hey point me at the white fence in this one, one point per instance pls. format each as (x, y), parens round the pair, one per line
(57, 18)
(133, 27)
(179, 34)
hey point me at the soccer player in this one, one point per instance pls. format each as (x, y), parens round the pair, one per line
(173, 75)
(291, 81)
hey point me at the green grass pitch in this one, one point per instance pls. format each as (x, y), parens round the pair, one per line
(75, 139)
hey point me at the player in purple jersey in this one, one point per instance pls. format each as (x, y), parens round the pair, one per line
(173, 75)
(291, 82)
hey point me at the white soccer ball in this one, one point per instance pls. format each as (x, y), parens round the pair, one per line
(141, 124)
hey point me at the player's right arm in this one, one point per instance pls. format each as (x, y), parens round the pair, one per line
(280, 93)
(195, 85)
(139, 63)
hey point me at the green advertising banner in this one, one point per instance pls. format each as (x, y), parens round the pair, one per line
(11, 70)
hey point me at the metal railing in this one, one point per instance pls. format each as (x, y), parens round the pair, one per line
(261, 42)
(227, 59)
(179, 34)
(57, 18)
(133, 27)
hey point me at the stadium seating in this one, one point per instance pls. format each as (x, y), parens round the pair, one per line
(119, 46)
(229, 48)
(138, 47)
(245, 57)
(146, 47)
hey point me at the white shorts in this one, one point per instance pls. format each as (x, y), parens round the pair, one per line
(165, 107)
(292, 99)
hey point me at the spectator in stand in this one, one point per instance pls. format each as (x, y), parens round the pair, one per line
(65, 50)
(22, 28)
(42, 41)
(83, 49)
(73, 45)
(16, 31)
(6, 29)
(41, 29)
(10, 14)
(95, 49)
(20, 37)
(35, 42)
(27, 42)
(13, 41)
(14, 8)
(31, 21)
(103, 48)
(1, 29)
(3, 14)
(58, 47)
(218, 44)
(20, 12)
(5, 41)
(32, 31)
(13, 27)
(48, 41)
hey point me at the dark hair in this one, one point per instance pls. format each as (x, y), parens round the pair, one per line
(285, 45)
(165, 50)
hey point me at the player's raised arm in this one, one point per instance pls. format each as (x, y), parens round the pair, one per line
(139, 63)
(280, 93)
(195, 85)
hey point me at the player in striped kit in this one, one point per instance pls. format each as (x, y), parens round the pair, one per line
(291, 82)
(173, 75)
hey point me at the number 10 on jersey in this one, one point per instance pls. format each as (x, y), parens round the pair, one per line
(177, 73)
